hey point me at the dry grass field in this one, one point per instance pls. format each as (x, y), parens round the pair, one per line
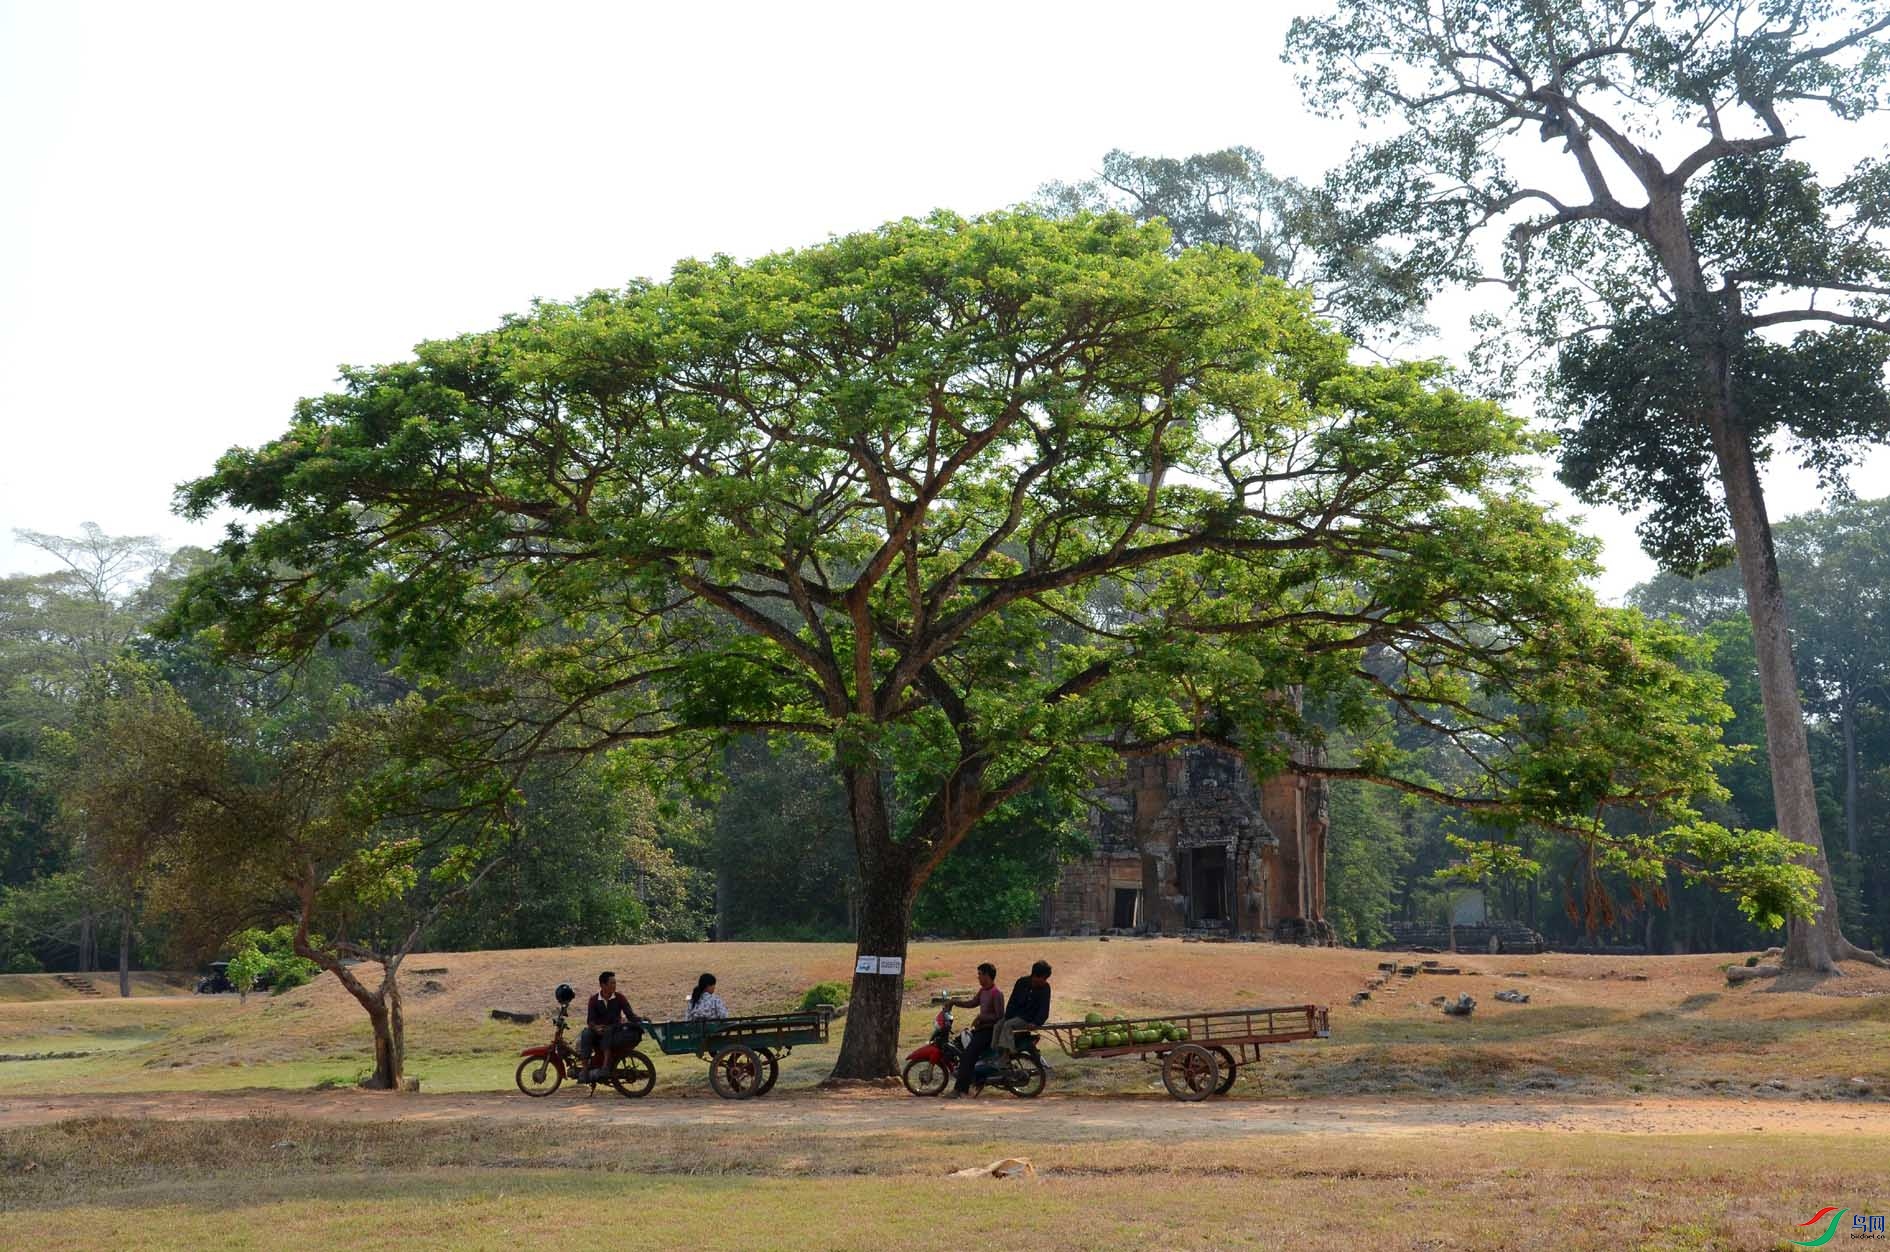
(1594, 1025)
(1633, 1103)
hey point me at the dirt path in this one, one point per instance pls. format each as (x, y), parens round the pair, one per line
(1052, 1118)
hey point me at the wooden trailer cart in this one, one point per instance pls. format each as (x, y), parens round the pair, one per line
(1200, 1053)
(744, 1053)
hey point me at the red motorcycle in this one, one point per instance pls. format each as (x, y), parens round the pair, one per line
(929, 1068)
(546, 1067)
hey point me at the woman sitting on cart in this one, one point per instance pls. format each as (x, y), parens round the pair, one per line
(704, 1004)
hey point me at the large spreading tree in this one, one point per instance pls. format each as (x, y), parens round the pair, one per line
(972, 506)
(1699, 294)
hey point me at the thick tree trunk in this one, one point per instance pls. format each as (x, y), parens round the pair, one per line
(869, 1048)
(1815, 943)
(124, 956)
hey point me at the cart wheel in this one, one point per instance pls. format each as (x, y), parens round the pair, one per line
(771, 1064)
(735, 1072)
(1191, 1072)
(1027, 1076)
(632, 1075)
(538, 1076)
(1228, 1071)
(925, 1078)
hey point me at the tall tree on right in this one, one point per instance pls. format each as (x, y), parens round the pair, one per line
(1660, 250)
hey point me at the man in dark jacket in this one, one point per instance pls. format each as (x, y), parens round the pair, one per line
(609, 1027)
(1028, 1006)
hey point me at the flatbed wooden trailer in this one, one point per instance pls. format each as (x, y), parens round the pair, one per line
(1200, 1053)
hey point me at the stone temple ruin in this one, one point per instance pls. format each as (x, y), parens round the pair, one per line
(1188, 844)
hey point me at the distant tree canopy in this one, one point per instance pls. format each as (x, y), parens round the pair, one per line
(56, 630)
(1835, 564)
(1229, 199)
(975, 505)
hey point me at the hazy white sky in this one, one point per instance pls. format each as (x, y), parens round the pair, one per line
(204, 208)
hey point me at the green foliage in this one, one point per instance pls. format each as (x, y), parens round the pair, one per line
(56, 630)
(39, 916)
(995, 881)
(1825, 392)
(1229, 199)
(828, 993)
(1833, 565)
(781, 845)
(595, 858)
(1365, 854)
(266, 958)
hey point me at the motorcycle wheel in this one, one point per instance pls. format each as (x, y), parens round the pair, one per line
(1025, 1077)
(632, 1075)
(925, 1078)
(538, 1076)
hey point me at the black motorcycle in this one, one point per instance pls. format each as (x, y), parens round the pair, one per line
(1020, 1072)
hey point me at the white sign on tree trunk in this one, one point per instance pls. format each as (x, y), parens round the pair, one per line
(866, 965)
(892, 964)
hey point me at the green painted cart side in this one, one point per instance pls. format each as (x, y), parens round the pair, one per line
(744, 1053)
(707, 1036)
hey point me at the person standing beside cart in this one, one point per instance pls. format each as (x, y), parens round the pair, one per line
(989, 1002)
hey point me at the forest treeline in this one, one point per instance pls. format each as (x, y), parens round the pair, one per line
(758, 845)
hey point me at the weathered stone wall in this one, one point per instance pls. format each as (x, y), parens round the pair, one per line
(1188, 843)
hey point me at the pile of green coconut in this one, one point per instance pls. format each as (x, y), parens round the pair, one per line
(1116, 1033)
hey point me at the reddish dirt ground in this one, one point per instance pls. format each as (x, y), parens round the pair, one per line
(1052, 1117)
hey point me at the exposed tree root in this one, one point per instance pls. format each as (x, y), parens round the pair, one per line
(1848, 951)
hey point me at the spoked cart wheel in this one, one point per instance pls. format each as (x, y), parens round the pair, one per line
(736, 1073)
(771, 1070)
(632, 1075)
(1191, 1072)
(538, 1076)
(1228, 1071)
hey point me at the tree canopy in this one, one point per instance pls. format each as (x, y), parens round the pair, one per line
(974, 504)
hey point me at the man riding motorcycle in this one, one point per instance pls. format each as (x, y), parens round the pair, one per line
(610, 1027)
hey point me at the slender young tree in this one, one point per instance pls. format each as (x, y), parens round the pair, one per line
(343, 837)
(1635, 159)
(975, 505)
